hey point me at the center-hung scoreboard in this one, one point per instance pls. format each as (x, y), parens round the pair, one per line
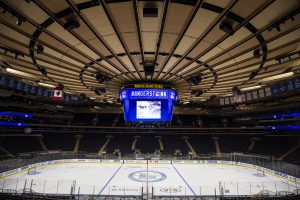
(148, 103)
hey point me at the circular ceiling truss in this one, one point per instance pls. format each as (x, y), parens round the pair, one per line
(121, 74)
(200, 4)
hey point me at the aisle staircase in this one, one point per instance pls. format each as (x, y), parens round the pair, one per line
(6, 152)
(42, 143)
(190, 147)
(217, 146)
(253, 141)
(160, 143)
(104, 146)
(134, 142)
(291, 150)
(77, 142)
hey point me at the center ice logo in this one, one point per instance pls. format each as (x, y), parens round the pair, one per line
(141, 176)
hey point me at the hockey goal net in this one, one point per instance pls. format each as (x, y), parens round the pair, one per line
(31, 171)
(260, 172)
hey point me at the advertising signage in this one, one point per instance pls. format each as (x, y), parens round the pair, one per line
(148, 94)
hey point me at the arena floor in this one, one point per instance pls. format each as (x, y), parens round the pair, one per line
(131, 179)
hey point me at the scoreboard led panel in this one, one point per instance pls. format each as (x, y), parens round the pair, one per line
(148, 105)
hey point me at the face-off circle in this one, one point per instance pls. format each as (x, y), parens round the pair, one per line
(141, 176)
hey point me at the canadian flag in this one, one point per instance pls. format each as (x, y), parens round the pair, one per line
(58, 93)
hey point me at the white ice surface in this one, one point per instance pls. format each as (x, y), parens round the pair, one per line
(172, 179)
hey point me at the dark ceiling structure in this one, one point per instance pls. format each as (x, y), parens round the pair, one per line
(205, 46)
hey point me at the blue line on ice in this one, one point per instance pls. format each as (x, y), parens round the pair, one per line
(184, 180)
(110, 179)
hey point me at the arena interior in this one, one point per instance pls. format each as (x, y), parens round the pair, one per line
(140, 99)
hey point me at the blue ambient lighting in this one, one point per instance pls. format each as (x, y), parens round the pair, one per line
(284, 127)
(12, 124)
(11, 114)
(285, 115)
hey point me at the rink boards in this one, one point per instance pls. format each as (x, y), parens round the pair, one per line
(158, 177)
(106, 161)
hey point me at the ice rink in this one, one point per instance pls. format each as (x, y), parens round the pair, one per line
(134, 179)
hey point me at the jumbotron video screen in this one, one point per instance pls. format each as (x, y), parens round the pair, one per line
(148, 109)
(148, 104)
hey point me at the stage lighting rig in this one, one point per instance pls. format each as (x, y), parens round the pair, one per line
(72, 24)
(196, 93)
(194, 80)
(256, 53)
(101, 78)
(226, 27)
(39, 49)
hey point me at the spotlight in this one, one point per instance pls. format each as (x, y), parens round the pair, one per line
(198, 78)
(292, 18)
(61, 86)
(194, 80)
(278, 28)
(252, 75)
(149, 69)
(39, 49)
(19, 22)
(226, 27)
(97, 92)
(3, 68)
(101, 78)
(43, 71)
(189, 80)
(256, 53)
(102, 90)
(82, 96)
(2, 10)
(73, 24)
(197, 93)
(108, 78)
(150, 12)
(194, 92)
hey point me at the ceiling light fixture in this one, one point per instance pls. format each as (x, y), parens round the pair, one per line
(227, 94)
(256, 53)
(226, 27)
(20, 73)
(72, 24)
(39, 49)
(276, 77)
(2, 10)
(46, 85)
(19, 22)
(251, 88)
(150, 12)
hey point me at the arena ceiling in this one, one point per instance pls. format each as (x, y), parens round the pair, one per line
(184, 41)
